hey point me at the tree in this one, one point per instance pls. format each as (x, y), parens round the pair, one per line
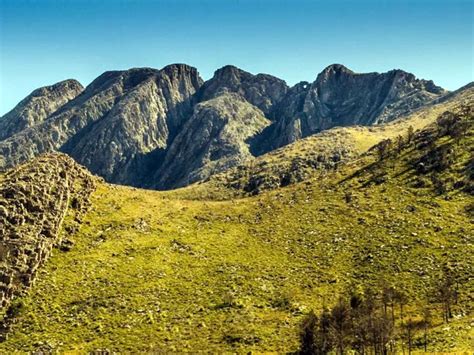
(388, 298)
(426, 324)
(410, 134)
(446, 122)
(383, 148)
(360, 324)
(348, 196)
(401, 298)
(410, 327)
(308, 334)
(341, 325)
(446, 292)
(315, 334)
(399, 144)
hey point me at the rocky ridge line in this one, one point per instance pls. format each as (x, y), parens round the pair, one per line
(35, 198)
(38, 106)
(147, 128)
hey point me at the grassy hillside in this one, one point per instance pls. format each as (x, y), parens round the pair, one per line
(159, 271)
(326, 150)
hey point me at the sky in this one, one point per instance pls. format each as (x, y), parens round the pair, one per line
(46, 41)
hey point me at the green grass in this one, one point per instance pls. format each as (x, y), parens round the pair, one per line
(154, 271)
(299, 159)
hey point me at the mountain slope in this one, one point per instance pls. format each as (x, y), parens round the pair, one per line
(35, 200)
(120, 117)
(124, 125)
(212, 140)
(340, 97)
(320, 152)
(151, 271)
(142, 122)
(37, 106)
(261, 90)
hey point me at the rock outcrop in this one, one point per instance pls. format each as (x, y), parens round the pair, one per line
(120, 117)
(139, 126)
(37, 106)
(35, 198)
(214, 139)
(340, 97)
(261, 90)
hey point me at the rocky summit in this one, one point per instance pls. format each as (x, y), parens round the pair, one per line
(168, 128)
(37, 106)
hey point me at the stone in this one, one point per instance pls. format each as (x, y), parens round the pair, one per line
(25, 244)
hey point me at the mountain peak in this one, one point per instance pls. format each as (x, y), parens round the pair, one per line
(60, 87)
(124, 125)
(179, 68)
(261, 90)
(230, 72)
(337, 68)
(37, 106)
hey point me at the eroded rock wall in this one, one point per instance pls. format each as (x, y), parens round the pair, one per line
(35, 198)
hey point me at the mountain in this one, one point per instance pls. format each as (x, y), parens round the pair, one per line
(340, 97)
(331, 148)
(201, 269)
(119, 118)
(37, 106)
(167, 128)
(261, 90)
(212, 140)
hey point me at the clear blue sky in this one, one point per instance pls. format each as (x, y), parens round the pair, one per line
(45, 41)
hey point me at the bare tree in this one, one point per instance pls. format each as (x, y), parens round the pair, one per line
(383, 148)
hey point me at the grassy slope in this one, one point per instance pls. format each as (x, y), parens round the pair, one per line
(345, 142)
(153, 271)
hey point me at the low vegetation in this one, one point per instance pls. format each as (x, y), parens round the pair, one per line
(324, 151)
(372, 256)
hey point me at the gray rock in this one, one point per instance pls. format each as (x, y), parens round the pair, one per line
(261, 90)
(214, 139)
(166, 128)
(37, 106)
(120, 117)
(340, 97)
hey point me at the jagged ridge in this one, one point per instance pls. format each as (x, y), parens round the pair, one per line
(136, 126)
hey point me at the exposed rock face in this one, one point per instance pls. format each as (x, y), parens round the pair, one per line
(37, 106)
(120, 117)
(287, 126)
(214, 139)
(166, 128)
(340, 97)
(326, 150)
(145, 118)
(260, 90)
(34, 200)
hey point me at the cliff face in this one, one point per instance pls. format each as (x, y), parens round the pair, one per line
(214, 139)
(261, 90)
(167, 128)
(35, 198)
(120, 117)
(142, 121)
(37, 106)
(340, 97)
